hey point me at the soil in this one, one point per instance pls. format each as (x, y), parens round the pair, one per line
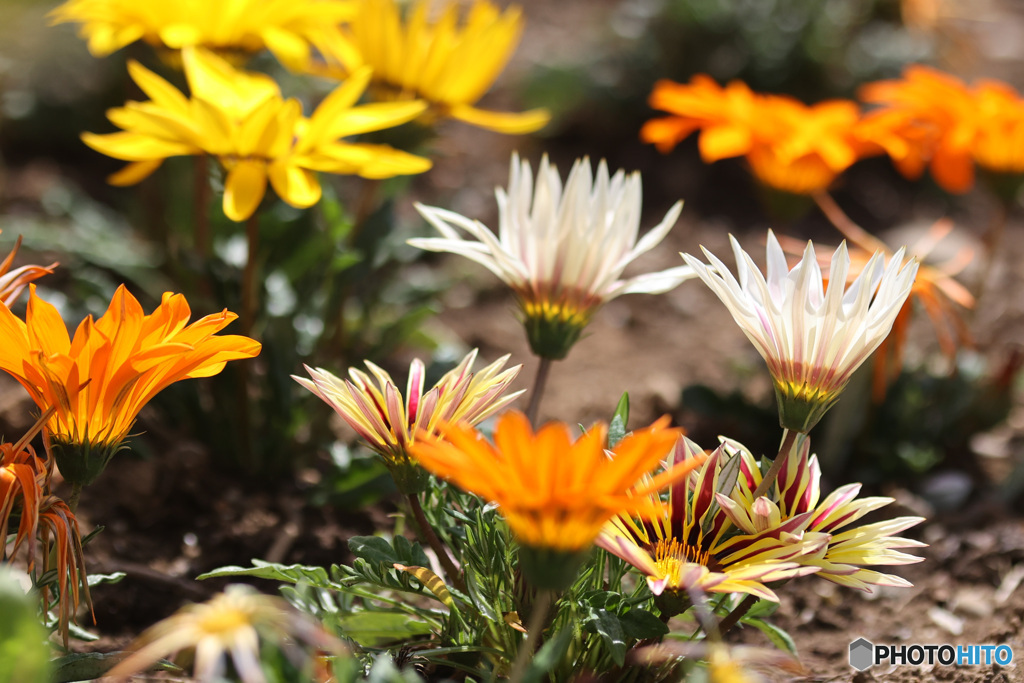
(175, 516)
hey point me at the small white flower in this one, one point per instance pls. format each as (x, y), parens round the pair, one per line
(812, 338)
(562, 251)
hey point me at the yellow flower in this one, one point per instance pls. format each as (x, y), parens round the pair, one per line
(98, 381)
(448, 64)
(231, 623)
(13, 281)
(241, 119)
(288, 28)
(390, 425)
(556, 494)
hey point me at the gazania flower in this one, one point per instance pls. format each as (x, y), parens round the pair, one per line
(556, 494)
(561, 251)
(929, 117)
(234, 623)
(390, 425)
(790, 146)
(24, 495)
(435, 57)
(693, 544)
(13, 281)
(812, 339)
(934, 288)
(851, 549)
(98, 381)
(288, 28)
(241, 119)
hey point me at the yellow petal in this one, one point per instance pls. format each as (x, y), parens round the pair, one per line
(297, 186)
(368, 161)
(244, 188)
(502, 122)
(134, 172)
(371, 117)
(289, 48)
(134, 147)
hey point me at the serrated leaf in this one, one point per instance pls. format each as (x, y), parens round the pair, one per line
(548, 656)
(617, 427)
(432, 581)
(762, 608)
(372, 629)
(640, 624)
(607, 625)
(373, 549)
(779, 637)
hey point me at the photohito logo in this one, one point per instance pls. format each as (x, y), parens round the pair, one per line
(864, 654)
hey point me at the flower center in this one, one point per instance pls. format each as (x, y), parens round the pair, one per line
(670, 556)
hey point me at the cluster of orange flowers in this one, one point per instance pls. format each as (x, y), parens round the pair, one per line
(927, 118)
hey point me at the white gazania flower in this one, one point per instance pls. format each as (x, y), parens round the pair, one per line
(390, 424)
(562, 251)
(812, 337)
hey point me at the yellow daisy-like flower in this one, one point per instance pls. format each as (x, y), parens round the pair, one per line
(288, 28)
(435, 57)
(257, 135)
(694, 545)
(98, 381)
(232, 623)
(390, 426)
(556, 494)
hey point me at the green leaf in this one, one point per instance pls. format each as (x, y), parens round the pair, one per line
(607, 625)
(762, 608)
(372, 629)
(548, 656)
(97, 579)
(617, 428)
(295, 573)
(374, 549)
(779, 638)
(24, 654)
(640, 624)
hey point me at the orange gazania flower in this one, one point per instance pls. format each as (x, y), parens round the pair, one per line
(931, 118)
(98, 381)
(24, 494)
(555, 493)
(789, 145)
(13, 281)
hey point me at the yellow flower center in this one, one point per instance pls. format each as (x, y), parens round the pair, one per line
(670, 555)
(224, 620)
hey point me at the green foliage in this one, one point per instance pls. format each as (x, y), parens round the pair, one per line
(24, 653)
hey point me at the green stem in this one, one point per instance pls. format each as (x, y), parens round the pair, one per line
(733, 617)
(536, 625)
(789, 438)
(252, 234)
(201, 205)
(427, 534)
(76, 493)
(539, 382)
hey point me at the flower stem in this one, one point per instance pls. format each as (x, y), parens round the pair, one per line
(76, 493)
(733, 617)
(844, 223)
(427, 534)
(539, 382)
(252, 234)
(537, 618)
(201, 205)
(789, 438)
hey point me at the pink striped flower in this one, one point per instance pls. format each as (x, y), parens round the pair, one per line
(813, 337)
(695, 545)
(390, 424)
(850, 549)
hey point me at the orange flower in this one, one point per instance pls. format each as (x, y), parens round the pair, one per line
(929, 117)
(790, 146)
(13, 281)
(24, 485)
(100, 380)
(555, 493)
